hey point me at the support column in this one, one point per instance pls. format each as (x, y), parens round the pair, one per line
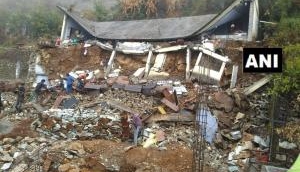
(198, 59)
(253, 20)
(234, 76)
(188, 63)
(63, 28)
(18, 68)
(147, 68)
(109, 64)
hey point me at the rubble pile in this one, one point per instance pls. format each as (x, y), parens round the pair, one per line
(72, 124)
(136, 101)
(84, 131)
(17, 154)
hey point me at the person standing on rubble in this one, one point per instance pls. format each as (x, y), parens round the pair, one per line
(70, 81)
(137, 125)
(38, 89)
(1, 105)
(20, 97)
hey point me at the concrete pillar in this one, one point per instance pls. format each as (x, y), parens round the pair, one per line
(234, 76)
(63, 28)
(198, 59)
(253, 20)
(110, 62)
(188, 63)
(18, 69)
(147, 68)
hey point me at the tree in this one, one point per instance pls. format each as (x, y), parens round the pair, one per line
(100, 12)
(287, 35)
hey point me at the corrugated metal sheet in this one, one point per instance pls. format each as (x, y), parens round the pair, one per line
(155, 29)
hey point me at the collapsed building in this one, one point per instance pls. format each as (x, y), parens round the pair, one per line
(181, 74)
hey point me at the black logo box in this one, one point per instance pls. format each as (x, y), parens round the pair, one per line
(262, 51)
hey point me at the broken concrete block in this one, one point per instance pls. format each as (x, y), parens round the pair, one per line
(171, 105)
(133, 88)
(57, 102)
(111, 81)
(117, 86)
(151, 85)
(149, 89)
(139, 73)
(158, 75)
(93, 92)
(123, 80)
(169, 96)
(92, 86)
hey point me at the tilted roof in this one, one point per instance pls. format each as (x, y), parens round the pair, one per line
(154, 29)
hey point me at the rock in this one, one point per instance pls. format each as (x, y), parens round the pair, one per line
(77, 147)
(261, 141)
(239, 116)
(19, 168)
(5, 147)
(42, 139)
(68, 167)
(6, 158)
(8, 141)
(287, 145)
(17, 154)
(6, 166)
(162, 148)
(219, 141)
(13, 150)
(75, 170)
(65, 167)
(28, 139)
(56, 127)
(224, 101)
(23, 146)
(236, 135)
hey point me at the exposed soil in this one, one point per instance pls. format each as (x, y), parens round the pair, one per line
(174, 158)
(62, 60)
(21, 128)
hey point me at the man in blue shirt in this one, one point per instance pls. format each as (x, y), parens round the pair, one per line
(70, 81)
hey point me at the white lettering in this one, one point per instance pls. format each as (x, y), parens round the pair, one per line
(275, 58)
(265, 61)
(251, 61)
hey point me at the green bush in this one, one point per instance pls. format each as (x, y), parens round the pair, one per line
(289, 80)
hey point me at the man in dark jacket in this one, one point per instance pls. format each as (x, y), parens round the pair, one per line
(20, 97)
(1, 105)
(38, 89)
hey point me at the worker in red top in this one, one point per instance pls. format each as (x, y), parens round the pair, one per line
(83, 76)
